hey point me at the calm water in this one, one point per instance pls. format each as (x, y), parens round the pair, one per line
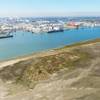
(24, 43)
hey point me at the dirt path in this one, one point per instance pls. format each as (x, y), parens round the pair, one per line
(3, 90)
(84, 73)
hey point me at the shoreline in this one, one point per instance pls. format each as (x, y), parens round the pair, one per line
(45, 53)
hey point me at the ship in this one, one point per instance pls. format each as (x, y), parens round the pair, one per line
(6, 36)
(52, 31)
(55, 29)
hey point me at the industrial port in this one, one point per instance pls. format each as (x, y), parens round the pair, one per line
(43, 25)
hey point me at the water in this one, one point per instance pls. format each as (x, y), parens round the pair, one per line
(24, 43)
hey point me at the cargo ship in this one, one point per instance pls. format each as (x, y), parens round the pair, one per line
(55, 29)
(52, 31)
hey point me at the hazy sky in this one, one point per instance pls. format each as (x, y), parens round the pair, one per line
(49, 7)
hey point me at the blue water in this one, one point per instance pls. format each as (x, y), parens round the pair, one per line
(24, 43)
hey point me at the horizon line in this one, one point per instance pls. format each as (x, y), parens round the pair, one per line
(49, 16)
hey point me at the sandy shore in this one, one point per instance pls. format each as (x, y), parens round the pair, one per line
(23, 58)
(43, 53)
(11, 62)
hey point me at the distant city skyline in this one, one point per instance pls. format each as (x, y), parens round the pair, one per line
(39, 8)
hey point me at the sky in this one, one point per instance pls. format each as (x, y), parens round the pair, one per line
(38, 8)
